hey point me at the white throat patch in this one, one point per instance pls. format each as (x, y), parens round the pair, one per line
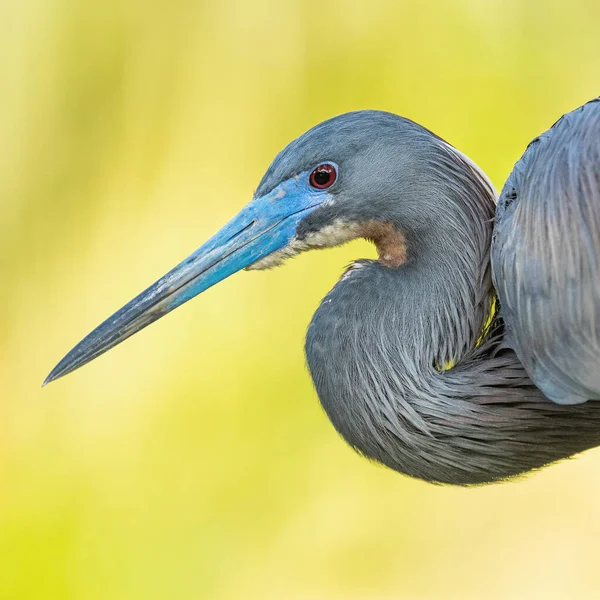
(336, 234)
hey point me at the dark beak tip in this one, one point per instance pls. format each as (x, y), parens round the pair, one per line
(48, 380)
(53, 376)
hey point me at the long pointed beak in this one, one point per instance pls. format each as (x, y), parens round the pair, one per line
(263, 226)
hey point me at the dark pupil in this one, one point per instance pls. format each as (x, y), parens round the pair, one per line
(322, 177)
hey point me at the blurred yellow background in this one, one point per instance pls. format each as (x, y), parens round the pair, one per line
(195, 461)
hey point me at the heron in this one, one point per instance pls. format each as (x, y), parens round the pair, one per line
(468, 351)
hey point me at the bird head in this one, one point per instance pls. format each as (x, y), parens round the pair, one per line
(340, 180)
(347, 174)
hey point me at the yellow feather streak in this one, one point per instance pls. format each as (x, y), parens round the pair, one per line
(484, 331)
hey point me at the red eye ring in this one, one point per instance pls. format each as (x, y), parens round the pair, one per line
(323, 176)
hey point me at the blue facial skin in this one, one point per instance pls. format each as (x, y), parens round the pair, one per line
(268, 223)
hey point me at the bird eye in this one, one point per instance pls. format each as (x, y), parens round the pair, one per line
(323, 176)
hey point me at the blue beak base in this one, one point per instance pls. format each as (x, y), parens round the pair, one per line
(268, 223)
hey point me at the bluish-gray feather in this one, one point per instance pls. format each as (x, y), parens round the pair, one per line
(546, 257)
(378, 339)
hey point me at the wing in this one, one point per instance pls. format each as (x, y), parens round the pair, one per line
(546, 257)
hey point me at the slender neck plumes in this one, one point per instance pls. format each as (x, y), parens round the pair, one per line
(402, 364)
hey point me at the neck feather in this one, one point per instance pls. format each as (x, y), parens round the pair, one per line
(375, 342)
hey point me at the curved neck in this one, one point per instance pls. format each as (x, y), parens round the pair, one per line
(375, 341)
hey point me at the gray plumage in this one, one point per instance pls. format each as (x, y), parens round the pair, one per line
(375, 341)
(546, 257)
(409, 358)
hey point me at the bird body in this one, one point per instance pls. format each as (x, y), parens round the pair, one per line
(411, 361)
(546, 257)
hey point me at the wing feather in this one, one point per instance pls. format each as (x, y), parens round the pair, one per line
(546, 257)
